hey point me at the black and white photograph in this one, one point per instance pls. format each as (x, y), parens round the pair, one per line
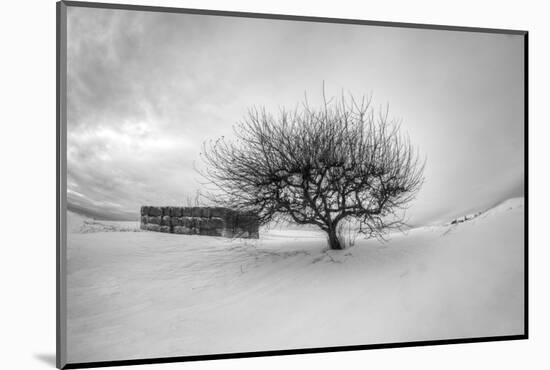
(239, 184)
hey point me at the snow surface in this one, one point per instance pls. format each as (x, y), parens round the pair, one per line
(146, 294)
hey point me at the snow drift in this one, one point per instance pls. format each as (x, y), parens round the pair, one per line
(145, 294)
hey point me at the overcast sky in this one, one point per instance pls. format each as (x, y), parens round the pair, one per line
(146, 89)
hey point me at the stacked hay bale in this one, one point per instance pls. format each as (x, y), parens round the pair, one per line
(213, 221)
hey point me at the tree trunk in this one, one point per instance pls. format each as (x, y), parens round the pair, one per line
(333, 241)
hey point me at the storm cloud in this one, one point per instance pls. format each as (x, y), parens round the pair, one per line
(146, 89)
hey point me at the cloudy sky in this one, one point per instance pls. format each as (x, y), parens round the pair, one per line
(146, 89)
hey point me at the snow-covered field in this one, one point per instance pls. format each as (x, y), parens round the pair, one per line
(145, 294)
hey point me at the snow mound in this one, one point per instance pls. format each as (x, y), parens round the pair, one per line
(507, 205)
(146, 295)
(102, 226)
(79, 224)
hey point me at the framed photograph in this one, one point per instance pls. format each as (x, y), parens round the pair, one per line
(236, 184)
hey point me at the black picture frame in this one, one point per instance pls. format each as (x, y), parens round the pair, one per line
(61, 186)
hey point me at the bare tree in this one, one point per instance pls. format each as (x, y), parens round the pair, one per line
(193, 200)
(320, 166)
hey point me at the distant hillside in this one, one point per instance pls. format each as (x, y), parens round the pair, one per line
(105, 216)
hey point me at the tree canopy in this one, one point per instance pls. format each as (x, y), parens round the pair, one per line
(342, 161)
